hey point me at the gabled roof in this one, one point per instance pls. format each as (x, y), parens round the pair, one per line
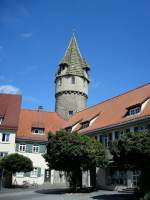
(76, 64)
(9, 111)
(50, 121)
(113, 111)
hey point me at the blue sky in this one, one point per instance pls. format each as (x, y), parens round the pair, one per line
(113, 36)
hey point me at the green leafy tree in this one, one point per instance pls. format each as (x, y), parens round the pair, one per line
(15, 163)
(72, 153)
(133, 151)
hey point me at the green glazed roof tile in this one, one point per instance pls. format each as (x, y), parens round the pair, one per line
(76, 65)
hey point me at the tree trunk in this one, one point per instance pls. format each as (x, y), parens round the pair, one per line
(93, 177)
(7, 179)
(76, 179)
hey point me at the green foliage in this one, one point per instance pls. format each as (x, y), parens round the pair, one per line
(16, 163)
(72, 151)
(0, 163)
(146, 196)
(130, 148)
(133, 151)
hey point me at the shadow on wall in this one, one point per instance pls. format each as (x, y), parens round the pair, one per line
(114, 197)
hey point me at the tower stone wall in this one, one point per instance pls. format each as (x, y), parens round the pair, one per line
(71, 82)
(70, 101)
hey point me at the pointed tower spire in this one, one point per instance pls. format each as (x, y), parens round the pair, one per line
(72, 54)
(74, 60)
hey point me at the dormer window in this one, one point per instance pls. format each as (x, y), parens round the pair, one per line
(37, 130)
(85, 124)
(134, 111)
(89, 121)
(69, 129)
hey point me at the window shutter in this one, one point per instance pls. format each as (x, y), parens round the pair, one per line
(39, 172)
(29, 148)
(17, 147)
(27, 174)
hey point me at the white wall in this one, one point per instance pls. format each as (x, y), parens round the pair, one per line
(39, 162)
(80, 84)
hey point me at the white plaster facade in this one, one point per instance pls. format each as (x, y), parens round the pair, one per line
(38, 162)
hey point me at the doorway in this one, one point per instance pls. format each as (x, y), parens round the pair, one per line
(47, 175)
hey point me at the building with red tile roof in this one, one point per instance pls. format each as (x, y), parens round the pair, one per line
(106, 121)
(31, 140)
(114, 112)
(32, 120)
(10, 106)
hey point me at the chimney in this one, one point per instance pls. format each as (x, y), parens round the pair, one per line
(40, 108)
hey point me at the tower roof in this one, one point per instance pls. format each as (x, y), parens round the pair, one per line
(76, 64)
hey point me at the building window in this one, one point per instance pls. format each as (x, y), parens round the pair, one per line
(37, 130)
(5, 137)
(34, 173)
(134, 111)
(136, 129)
(85, 125)
(3, 154)
(116, 135)
(148, 127)
(127, 130)
(70, 113)
(22, 147)
(60, 81)
(1, 120)
(69, 129)
(110, 136)
(73, 80)
(101, 138)
(106, 140)
(96, 137)
(19, 174)
(35, 148)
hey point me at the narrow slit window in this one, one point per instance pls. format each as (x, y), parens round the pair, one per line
(73, 80)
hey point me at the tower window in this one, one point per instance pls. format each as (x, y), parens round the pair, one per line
(73, 80)
(70, 113)
(60, 82)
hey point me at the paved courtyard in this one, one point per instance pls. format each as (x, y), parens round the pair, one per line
(61, 194)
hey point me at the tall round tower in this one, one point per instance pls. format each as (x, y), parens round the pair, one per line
(71, 82)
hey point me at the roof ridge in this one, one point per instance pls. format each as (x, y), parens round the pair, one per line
(11, 94)
(37, 110)
(115, 96)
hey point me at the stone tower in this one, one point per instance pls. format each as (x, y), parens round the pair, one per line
(71, 82)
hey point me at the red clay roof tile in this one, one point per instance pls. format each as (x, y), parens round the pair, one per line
(50, 121)
(9, 110)
(113, 111)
